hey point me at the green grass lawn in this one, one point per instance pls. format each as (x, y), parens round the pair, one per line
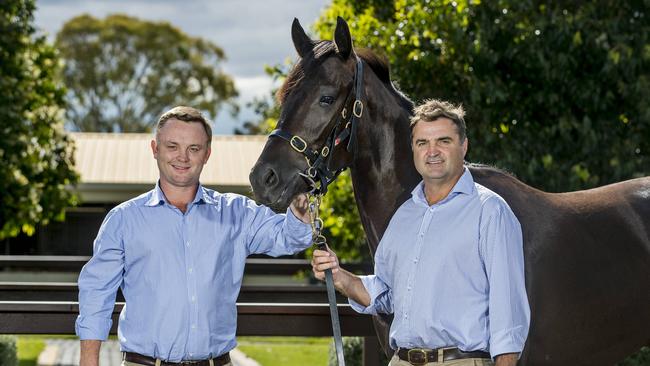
(30, 346)
(28, 349)
(286, 351)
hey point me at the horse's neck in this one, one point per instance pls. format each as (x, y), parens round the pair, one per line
(383, 174)
(526, 201)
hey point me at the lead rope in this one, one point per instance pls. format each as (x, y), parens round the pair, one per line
(321, 243)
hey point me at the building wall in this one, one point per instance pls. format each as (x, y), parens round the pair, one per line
(74, 236)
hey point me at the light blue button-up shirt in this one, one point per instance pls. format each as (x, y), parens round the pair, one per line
(180, 273)
(452, 273)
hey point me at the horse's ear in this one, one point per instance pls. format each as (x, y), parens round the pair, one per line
(342, 38)
(301, 40)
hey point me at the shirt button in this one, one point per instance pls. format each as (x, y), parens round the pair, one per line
(191, 354)
(193, 298)
(188, 243)
(193, 327)
(190, 270)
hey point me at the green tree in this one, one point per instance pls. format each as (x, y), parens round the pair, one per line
(557, 92)
(122, 73)
(36, 154)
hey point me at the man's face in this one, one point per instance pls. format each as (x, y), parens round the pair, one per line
(438, 152)
(180, 150)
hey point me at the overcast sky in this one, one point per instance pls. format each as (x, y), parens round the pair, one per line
(253, 33)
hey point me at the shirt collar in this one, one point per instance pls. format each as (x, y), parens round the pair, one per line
(158, 196)
(464, 185)
(203, 195)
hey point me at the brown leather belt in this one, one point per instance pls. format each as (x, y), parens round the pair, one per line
(150, 361)
(420, 356)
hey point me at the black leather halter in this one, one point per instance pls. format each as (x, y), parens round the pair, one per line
(318, 160)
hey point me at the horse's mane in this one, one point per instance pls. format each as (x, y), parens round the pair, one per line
(324, 49)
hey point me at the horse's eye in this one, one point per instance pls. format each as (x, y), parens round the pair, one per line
(326, 100)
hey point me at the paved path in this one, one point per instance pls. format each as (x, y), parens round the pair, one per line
(65, 352)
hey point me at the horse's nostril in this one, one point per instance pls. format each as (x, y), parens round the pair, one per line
(270, 178)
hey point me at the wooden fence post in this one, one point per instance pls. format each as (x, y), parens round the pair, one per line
(371, 351)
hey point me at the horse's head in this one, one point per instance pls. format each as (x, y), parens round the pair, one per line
(316, 130)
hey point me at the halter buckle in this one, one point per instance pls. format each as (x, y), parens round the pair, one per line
(325, 151)
(297, 139)
(357, 108)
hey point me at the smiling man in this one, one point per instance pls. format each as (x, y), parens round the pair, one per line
(178, 254)
(450, 265)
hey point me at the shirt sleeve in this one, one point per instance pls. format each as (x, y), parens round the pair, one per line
(502, 249)
(381, 295)
(99, 280)
(274, 234)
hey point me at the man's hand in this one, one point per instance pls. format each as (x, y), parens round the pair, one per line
(89, 355)
(506, 359)
(322, 260)
(347, 283)
(300, 208)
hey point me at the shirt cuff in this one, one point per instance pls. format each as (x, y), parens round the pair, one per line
(360, 308)
(375, 288)
(507, 341)
(295, 225)
(92, 327)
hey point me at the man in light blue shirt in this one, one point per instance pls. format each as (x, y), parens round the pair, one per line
(450, 265)
(178, 253)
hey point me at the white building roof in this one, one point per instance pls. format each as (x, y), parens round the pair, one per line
(117, 166)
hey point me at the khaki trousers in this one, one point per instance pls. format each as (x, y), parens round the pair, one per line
(395, 361)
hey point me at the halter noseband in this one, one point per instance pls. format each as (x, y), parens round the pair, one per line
(318, 160)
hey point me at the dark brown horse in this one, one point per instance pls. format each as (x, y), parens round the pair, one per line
(587, 253)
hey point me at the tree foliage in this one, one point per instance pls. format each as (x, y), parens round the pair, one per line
(36, 155)
(122, 73)
(557, 92)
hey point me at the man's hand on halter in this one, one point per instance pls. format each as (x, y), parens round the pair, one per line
(300, 208)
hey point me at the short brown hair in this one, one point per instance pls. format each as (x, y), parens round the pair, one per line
(185, 114)
(432, 109)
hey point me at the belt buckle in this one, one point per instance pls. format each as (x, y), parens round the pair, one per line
(420, 356)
